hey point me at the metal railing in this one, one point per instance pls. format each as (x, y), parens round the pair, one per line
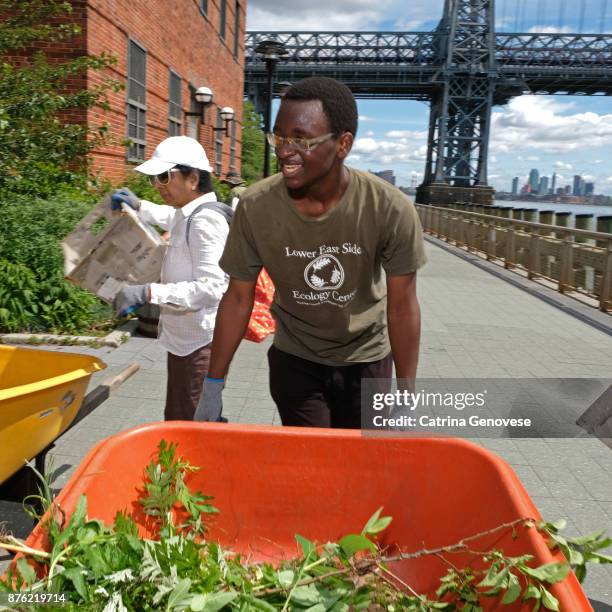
(575, 260)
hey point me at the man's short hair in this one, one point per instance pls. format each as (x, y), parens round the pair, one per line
(337, 99)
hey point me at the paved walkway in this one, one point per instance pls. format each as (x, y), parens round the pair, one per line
(474, 326)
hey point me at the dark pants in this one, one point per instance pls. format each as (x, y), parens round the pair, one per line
(185, 378)
(310, 394)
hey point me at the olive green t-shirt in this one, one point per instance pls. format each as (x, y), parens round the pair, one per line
(329, 271)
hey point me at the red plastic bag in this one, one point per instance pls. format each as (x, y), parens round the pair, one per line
(261, 323)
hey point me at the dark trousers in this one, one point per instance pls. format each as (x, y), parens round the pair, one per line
(185, 378)
(310, 394)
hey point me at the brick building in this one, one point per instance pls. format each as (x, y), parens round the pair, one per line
(166, 49)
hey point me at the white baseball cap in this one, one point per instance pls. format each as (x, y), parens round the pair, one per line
(174, 151)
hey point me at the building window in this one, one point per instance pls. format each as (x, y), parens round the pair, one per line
(233, 147)
(219, 144)
(175, 109)
(136, 102)
(204, 6)
(237, 30)
(223, 19)
(193, 122)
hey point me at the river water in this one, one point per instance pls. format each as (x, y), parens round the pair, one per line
(596, 211)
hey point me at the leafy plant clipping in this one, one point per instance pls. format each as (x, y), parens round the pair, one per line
(112, 568)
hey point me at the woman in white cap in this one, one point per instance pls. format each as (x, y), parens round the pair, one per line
(192, 283)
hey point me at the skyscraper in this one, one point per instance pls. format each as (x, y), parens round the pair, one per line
(578, 189)
(543, 186)
(515, 184)
(534, 180)
(554, 182)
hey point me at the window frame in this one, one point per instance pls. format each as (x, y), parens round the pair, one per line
(222, 18)
(138, 106)
(175, 122)
(237, 29)
(219, 144)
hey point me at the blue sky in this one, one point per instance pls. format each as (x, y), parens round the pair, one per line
(563, 134)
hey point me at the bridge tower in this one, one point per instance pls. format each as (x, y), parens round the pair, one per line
(460, 116)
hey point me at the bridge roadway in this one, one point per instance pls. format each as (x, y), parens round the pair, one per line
(409, 65)
(474, 326)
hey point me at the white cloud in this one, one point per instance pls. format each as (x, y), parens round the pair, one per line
(322, 15)
(536, 122)
(407, 134)
(542, 29)
(562, 165)
(375, 152)
(370, 133)
(364, 118)
(533, 158)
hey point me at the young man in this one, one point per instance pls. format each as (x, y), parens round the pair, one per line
(342, 248)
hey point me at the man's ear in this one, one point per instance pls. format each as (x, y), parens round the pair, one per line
(345, 145)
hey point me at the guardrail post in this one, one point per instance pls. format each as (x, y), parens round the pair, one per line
(491, 241)
(567, 255)
(510, 248)
(605, 299)
(533, 271)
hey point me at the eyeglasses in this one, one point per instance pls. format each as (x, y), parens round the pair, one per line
(301, 144)
(163, 178)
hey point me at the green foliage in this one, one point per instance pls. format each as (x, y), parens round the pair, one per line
(34, 296)
(580, 550)
(179, 569)
(18, 290)
(166, 488)
(39, 150)
(221, 189)
(252, 145)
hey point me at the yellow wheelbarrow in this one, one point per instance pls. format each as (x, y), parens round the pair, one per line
(40, 396)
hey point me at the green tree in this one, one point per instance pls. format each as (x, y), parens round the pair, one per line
(252, 145)
(39, 148)
(44, 143)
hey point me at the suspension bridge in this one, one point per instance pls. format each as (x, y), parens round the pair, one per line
(462, 68)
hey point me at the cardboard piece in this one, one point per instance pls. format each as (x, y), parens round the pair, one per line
(109, 249)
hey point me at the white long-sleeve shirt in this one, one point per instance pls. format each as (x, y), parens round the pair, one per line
(192, 283)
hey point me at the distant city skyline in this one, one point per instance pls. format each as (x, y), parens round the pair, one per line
(542, 185)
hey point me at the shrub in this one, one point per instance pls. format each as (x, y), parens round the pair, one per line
(18, 297)
(34, 295)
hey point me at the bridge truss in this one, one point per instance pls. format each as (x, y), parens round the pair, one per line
(462, 69)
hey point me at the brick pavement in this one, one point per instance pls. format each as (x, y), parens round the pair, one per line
(474, 326)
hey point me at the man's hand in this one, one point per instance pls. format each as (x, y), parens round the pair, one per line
(124, 195)
(130, 298)
(211, 403)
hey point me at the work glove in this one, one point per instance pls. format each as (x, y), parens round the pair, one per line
(210, 405)
(130, 298)
(124, 195)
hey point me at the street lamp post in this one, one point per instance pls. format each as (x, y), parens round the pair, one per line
(271, 50)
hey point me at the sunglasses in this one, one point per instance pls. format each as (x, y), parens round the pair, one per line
(163, 178)
(301, 144)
